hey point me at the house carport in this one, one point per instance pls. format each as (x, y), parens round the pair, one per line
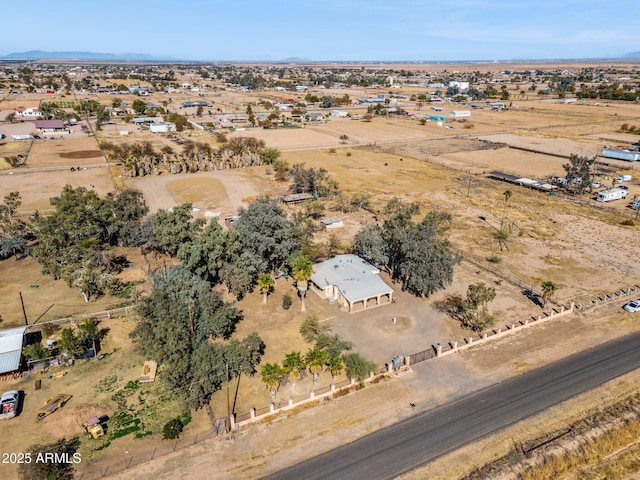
(351, 282)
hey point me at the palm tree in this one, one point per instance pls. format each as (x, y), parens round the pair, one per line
(335, 366)
(507, 195)
(88, 333)
(293, 365)
(272, 374)
(311, 329)
(302, 271)
(548, 289)
(265, 284)
(316, 360)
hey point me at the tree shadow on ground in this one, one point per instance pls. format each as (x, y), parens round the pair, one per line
(533, 297)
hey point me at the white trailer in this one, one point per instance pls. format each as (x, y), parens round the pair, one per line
(21, 137)
(628, 155)
(460, 113)
(612, 194)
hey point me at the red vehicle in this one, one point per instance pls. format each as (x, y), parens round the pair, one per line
(9, 404)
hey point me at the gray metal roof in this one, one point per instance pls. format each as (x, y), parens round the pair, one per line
(11, 348)
(355, 278)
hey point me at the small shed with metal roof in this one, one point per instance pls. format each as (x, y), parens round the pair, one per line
(11, 342)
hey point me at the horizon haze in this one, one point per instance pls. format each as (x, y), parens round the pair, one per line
(342, 31)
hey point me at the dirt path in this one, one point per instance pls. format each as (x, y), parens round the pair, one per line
(235, 190)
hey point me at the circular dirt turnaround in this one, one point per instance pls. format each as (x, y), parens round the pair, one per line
(393, 323)
(82, 154)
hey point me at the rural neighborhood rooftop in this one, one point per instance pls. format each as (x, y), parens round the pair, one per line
(11, 349)
(350, 279)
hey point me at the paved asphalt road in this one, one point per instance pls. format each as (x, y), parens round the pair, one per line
(418, 440)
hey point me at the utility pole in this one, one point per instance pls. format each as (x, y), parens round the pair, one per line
(228, 422)
(26, 322)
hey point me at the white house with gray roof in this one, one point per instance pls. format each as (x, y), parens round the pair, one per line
(350, 281)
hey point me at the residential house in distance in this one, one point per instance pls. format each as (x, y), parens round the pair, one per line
(350, 281)
(162, 127)
(147, 120)
(51, 126)
(28, 112)
(197, 103)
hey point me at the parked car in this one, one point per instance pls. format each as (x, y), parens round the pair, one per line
(633, 306)
(596, 185)
(9, 404)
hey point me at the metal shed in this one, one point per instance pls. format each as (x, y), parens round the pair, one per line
(11, 342)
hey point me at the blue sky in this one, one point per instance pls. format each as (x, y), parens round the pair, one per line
(328, 29)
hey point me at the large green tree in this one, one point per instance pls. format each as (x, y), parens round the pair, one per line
(179, 322)
(426, 261)
(417, 254)
(474, 308)
(264, 229)
(71, 243)
(209, 251)
(173, 228)
(139, 106)
(578, 173)
(311, 180)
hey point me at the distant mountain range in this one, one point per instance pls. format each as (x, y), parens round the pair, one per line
(145, 57)
(41, 55)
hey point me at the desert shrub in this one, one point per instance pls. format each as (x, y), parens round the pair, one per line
(494, 259)
(49, 329)
(348, 154)
(35, 351)
(357, 366)
(286, 301)
(172, 429)
(628, 222)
